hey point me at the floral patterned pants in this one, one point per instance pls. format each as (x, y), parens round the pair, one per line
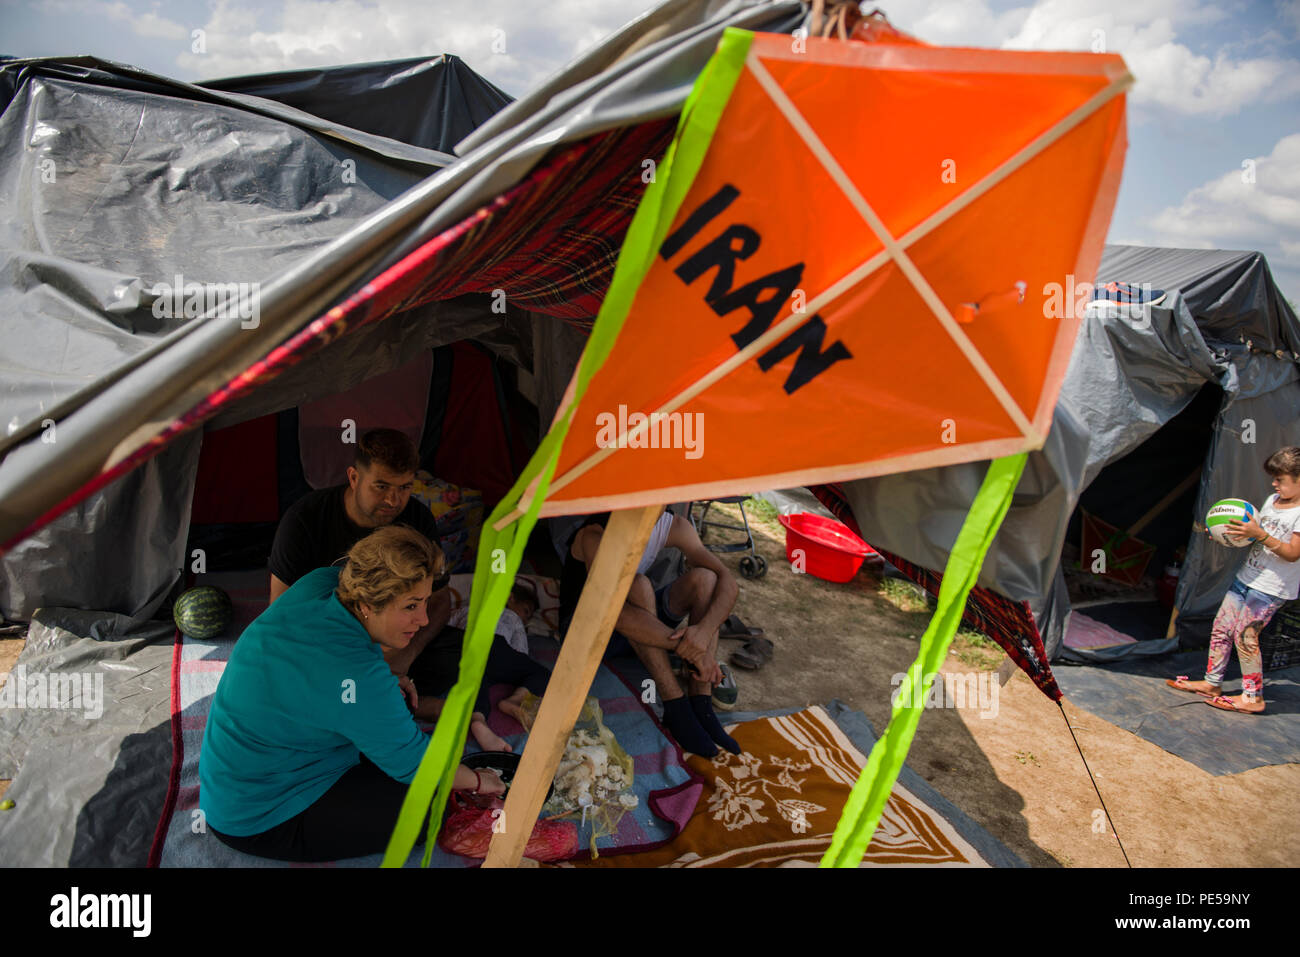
(1241, 618)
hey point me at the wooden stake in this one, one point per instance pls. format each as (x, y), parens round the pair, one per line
(593, 620)
(1154, 511)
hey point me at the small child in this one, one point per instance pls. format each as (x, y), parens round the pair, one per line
(508, 661)
(1268, 580)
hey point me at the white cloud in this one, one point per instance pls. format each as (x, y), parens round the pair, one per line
(1156, 37)
(1169, 74)
(1151, 35)
(1232, 212)
(513, 46)
(1290, 15)
(968, 23)
(148, 24)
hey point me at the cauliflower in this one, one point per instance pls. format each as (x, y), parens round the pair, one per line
(586, 775)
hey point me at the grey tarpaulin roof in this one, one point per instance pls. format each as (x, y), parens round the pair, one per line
(1124, 382)
(431, 102)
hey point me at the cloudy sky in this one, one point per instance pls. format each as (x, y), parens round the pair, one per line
(1217, 99)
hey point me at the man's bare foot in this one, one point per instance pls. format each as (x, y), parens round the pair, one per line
(486, 738)
(1199, 687)
(1237, 703)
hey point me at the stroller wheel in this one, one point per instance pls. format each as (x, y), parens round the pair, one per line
(753, 566)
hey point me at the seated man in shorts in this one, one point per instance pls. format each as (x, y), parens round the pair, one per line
(683, 617)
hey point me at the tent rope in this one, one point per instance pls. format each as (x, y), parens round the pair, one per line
(1114, 830)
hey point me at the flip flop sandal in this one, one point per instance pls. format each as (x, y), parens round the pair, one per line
(1178, 684)
(733, 627)
(747, 659)
(1224, 703)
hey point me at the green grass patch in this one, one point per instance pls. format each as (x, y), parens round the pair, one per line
(761, 510)
(976, 650)
(904, 595)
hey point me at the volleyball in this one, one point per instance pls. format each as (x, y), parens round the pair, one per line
(1220, 516)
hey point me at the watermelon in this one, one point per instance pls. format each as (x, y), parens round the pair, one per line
(203, 612)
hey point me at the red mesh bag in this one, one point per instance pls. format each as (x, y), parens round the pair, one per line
(468, 832)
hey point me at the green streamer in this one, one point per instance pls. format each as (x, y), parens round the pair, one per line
(866, 802)
(500, 552)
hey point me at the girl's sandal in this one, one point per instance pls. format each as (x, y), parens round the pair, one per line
(1224, 703)
(1180, 684)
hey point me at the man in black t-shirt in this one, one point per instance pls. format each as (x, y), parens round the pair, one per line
(322, 526)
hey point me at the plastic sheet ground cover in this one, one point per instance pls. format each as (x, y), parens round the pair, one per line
(662, 783)
(84, 735)
(1132, 694)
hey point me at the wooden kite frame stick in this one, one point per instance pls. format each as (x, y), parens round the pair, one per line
(598, 609)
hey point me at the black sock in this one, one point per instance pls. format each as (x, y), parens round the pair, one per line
(680, 719)
(702, 705)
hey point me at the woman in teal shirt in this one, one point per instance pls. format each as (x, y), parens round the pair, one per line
(309, 745)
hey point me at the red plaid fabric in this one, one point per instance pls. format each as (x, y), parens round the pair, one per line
(550, 244)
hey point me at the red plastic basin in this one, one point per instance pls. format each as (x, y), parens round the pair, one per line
(829, 550)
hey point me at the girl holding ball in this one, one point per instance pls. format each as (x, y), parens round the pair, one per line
(1269, 579)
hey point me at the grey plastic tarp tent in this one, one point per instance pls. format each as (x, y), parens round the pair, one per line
(96, 361)
(153, 178)
(1222, 322)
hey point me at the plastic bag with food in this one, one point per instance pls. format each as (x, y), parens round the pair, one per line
(468, 831)
(594, 779)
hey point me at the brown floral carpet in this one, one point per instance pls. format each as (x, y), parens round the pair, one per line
(776, 805)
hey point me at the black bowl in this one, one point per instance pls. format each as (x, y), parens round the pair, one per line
(504, 763)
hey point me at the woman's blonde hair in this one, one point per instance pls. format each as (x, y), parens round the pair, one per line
(388, 562)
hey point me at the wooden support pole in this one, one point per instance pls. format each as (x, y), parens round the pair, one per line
(598, 609)
(1154, 511)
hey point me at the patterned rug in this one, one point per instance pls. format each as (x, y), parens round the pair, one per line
(776, 805)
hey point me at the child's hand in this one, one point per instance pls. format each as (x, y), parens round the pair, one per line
(1248, 529)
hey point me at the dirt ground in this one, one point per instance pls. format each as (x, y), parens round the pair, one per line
(1016, 772)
